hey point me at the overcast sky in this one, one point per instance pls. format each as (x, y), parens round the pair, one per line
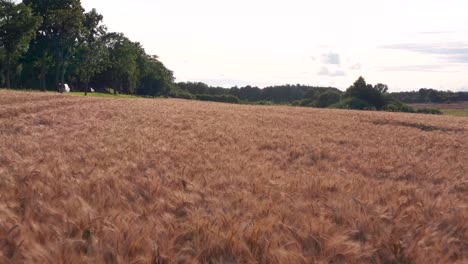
(405, 44)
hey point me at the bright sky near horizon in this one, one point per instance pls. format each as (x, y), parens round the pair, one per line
(405, 44)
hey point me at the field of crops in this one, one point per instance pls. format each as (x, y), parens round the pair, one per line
(99, 180)
(454, 109)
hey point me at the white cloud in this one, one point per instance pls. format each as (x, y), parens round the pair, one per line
(331, 58)
(324, 71)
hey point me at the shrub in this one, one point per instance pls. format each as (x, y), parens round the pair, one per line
(296, 103)
(224, 98)
(352, 103)
(308, 102)
(182, 94)
(263, 102)
(398, 107)
(432, 111)
(327, 98)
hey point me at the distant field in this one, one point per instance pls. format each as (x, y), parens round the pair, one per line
(456, 112)
(455, 109)
(93, 180)
(457, 105)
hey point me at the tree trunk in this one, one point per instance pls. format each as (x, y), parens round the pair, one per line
(62, 75)
(43, 73)
(8, 65)
(57, 77)
(115, 87)
(86, 88)
(59, 72)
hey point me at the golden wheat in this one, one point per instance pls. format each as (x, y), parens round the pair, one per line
(94, 180)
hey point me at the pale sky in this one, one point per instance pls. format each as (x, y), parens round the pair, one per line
(407, 44)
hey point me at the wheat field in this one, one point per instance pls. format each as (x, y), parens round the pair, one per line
(97, 180)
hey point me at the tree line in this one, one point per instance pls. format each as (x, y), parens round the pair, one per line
(425, 95)
(47, 43)
(359, 96)
(279, 94)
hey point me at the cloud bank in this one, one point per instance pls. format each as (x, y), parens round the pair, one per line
(455, 52)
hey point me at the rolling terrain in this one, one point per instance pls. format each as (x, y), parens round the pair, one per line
(99, 180)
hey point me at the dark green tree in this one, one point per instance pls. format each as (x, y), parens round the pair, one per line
(327, 98)
(17, 28)
(58, 34)
(123, 67)
(155, 79)
(382, 88)
(366, 92)
(91, 54)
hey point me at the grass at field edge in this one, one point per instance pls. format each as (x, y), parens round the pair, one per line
(455, 112)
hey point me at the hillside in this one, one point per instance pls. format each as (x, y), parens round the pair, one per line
(99, 180)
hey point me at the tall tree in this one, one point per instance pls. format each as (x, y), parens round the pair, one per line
(57, 35)
(17, 29)
(155, 79)
(92, 55)
(366, 92)
(123, 68)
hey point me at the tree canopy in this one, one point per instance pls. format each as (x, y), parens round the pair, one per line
(373, 95)
(53, 42)
(17, 28)
(425, 95)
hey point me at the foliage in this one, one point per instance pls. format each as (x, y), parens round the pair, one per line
(431, 96)
(291, 93)
(382, 88)
(366, 92)
(431, 111)
(92, 54)
(394, 105)
(257, 102)
(249, 94)
(155, 79)
(17, 28)
(363, 96)
(327, 98)
(283, 94)
(353, 103)
(180, 93)
(58, 34)
(308, 102)
(64, 44)
(201, 88)
(224, 98)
